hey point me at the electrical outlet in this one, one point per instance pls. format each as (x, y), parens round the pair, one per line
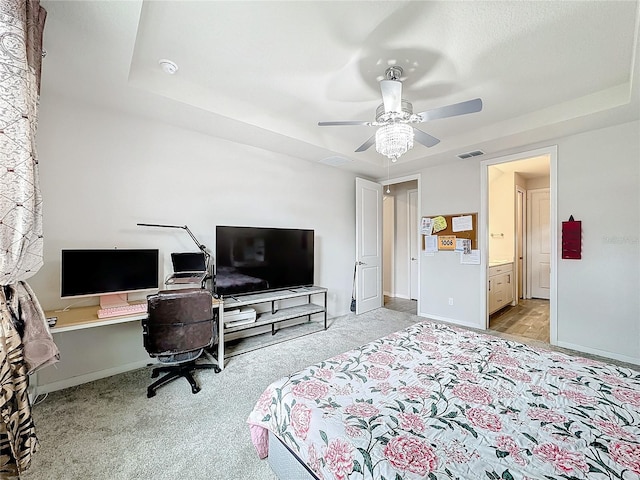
(450, 301)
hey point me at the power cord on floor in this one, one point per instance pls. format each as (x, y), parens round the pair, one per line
(40, 398)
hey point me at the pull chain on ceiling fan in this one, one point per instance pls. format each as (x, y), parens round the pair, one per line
(388, 186)
(394, 117)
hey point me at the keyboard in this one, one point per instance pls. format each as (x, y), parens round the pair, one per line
(122, 310)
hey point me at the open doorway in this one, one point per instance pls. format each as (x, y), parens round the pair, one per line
(400, 220)
(519, 248)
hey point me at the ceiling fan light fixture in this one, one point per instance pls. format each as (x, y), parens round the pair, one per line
(394, 140)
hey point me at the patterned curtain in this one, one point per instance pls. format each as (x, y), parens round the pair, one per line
(21, 28)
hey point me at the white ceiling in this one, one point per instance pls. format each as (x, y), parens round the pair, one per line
(264, 73)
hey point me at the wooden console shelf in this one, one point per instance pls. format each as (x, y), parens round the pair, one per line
(275, 315)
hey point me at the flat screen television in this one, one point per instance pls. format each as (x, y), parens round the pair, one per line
(258, 259)
(108, 273)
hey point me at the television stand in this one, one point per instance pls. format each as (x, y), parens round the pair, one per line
(275, 315)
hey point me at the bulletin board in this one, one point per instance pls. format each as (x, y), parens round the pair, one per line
(470, 234)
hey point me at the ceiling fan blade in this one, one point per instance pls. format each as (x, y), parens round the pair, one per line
(391, 95)
(347, 122)
(462, 108)
(424, 138)
(367, 144)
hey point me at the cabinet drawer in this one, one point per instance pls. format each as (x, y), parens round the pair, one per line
(499, 269)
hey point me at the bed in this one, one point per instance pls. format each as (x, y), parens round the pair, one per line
(439, 402)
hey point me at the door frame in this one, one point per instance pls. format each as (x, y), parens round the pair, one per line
(409, 178)
(521, 272)
(417, 233)
(552, 152)
(391, 292)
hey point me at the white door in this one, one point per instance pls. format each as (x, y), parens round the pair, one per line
(413, 244)
(540, 242)
(368, 245)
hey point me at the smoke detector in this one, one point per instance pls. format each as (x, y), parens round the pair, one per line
(168, 66)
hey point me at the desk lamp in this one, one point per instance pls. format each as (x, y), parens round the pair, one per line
(202, 248)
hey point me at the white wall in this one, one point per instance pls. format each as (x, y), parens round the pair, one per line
(598, 296)
(535, 183)
(453, 188)
(102, 172)
(501, 215)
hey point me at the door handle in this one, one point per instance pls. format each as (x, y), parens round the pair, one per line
(413, 258)
(361, 263)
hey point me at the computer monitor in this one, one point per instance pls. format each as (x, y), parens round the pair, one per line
(189, 262)
(110, 274)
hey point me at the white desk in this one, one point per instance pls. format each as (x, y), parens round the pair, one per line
(88, 353)
(86, 317)
(76, 319)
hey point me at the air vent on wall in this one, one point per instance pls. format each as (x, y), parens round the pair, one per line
(475, 153)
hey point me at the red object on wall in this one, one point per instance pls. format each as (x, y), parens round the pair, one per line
(572, 239)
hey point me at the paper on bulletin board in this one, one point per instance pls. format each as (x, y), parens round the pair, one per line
(462, 224)
(463, 245)
(430, 244)
(426, 226)
(472, 258)
(439, 224)
(446, 242)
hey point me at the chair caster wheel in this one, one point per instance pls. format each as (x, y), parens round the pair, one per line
(195, 389)
(151, 393)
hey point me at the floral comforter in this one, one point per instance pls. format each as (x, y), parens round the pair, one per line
(438, 402)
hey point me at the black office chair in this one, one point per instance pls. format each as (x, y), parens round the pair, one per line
(180, 325)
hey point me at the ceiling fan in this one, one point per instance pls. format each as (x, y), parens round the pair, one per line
(395, 118)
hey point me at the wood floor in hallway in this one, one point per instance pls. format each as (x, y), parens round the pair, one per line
(401, 305)
(528, 319)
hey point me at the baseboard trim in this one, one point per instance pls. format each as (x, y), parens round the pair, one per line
(600, 353)
(449, 320)
(90, 377)
(396, 295)
(571, 346)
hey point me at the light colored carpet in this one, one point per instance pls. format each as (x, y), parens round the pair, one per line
(109, 429)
